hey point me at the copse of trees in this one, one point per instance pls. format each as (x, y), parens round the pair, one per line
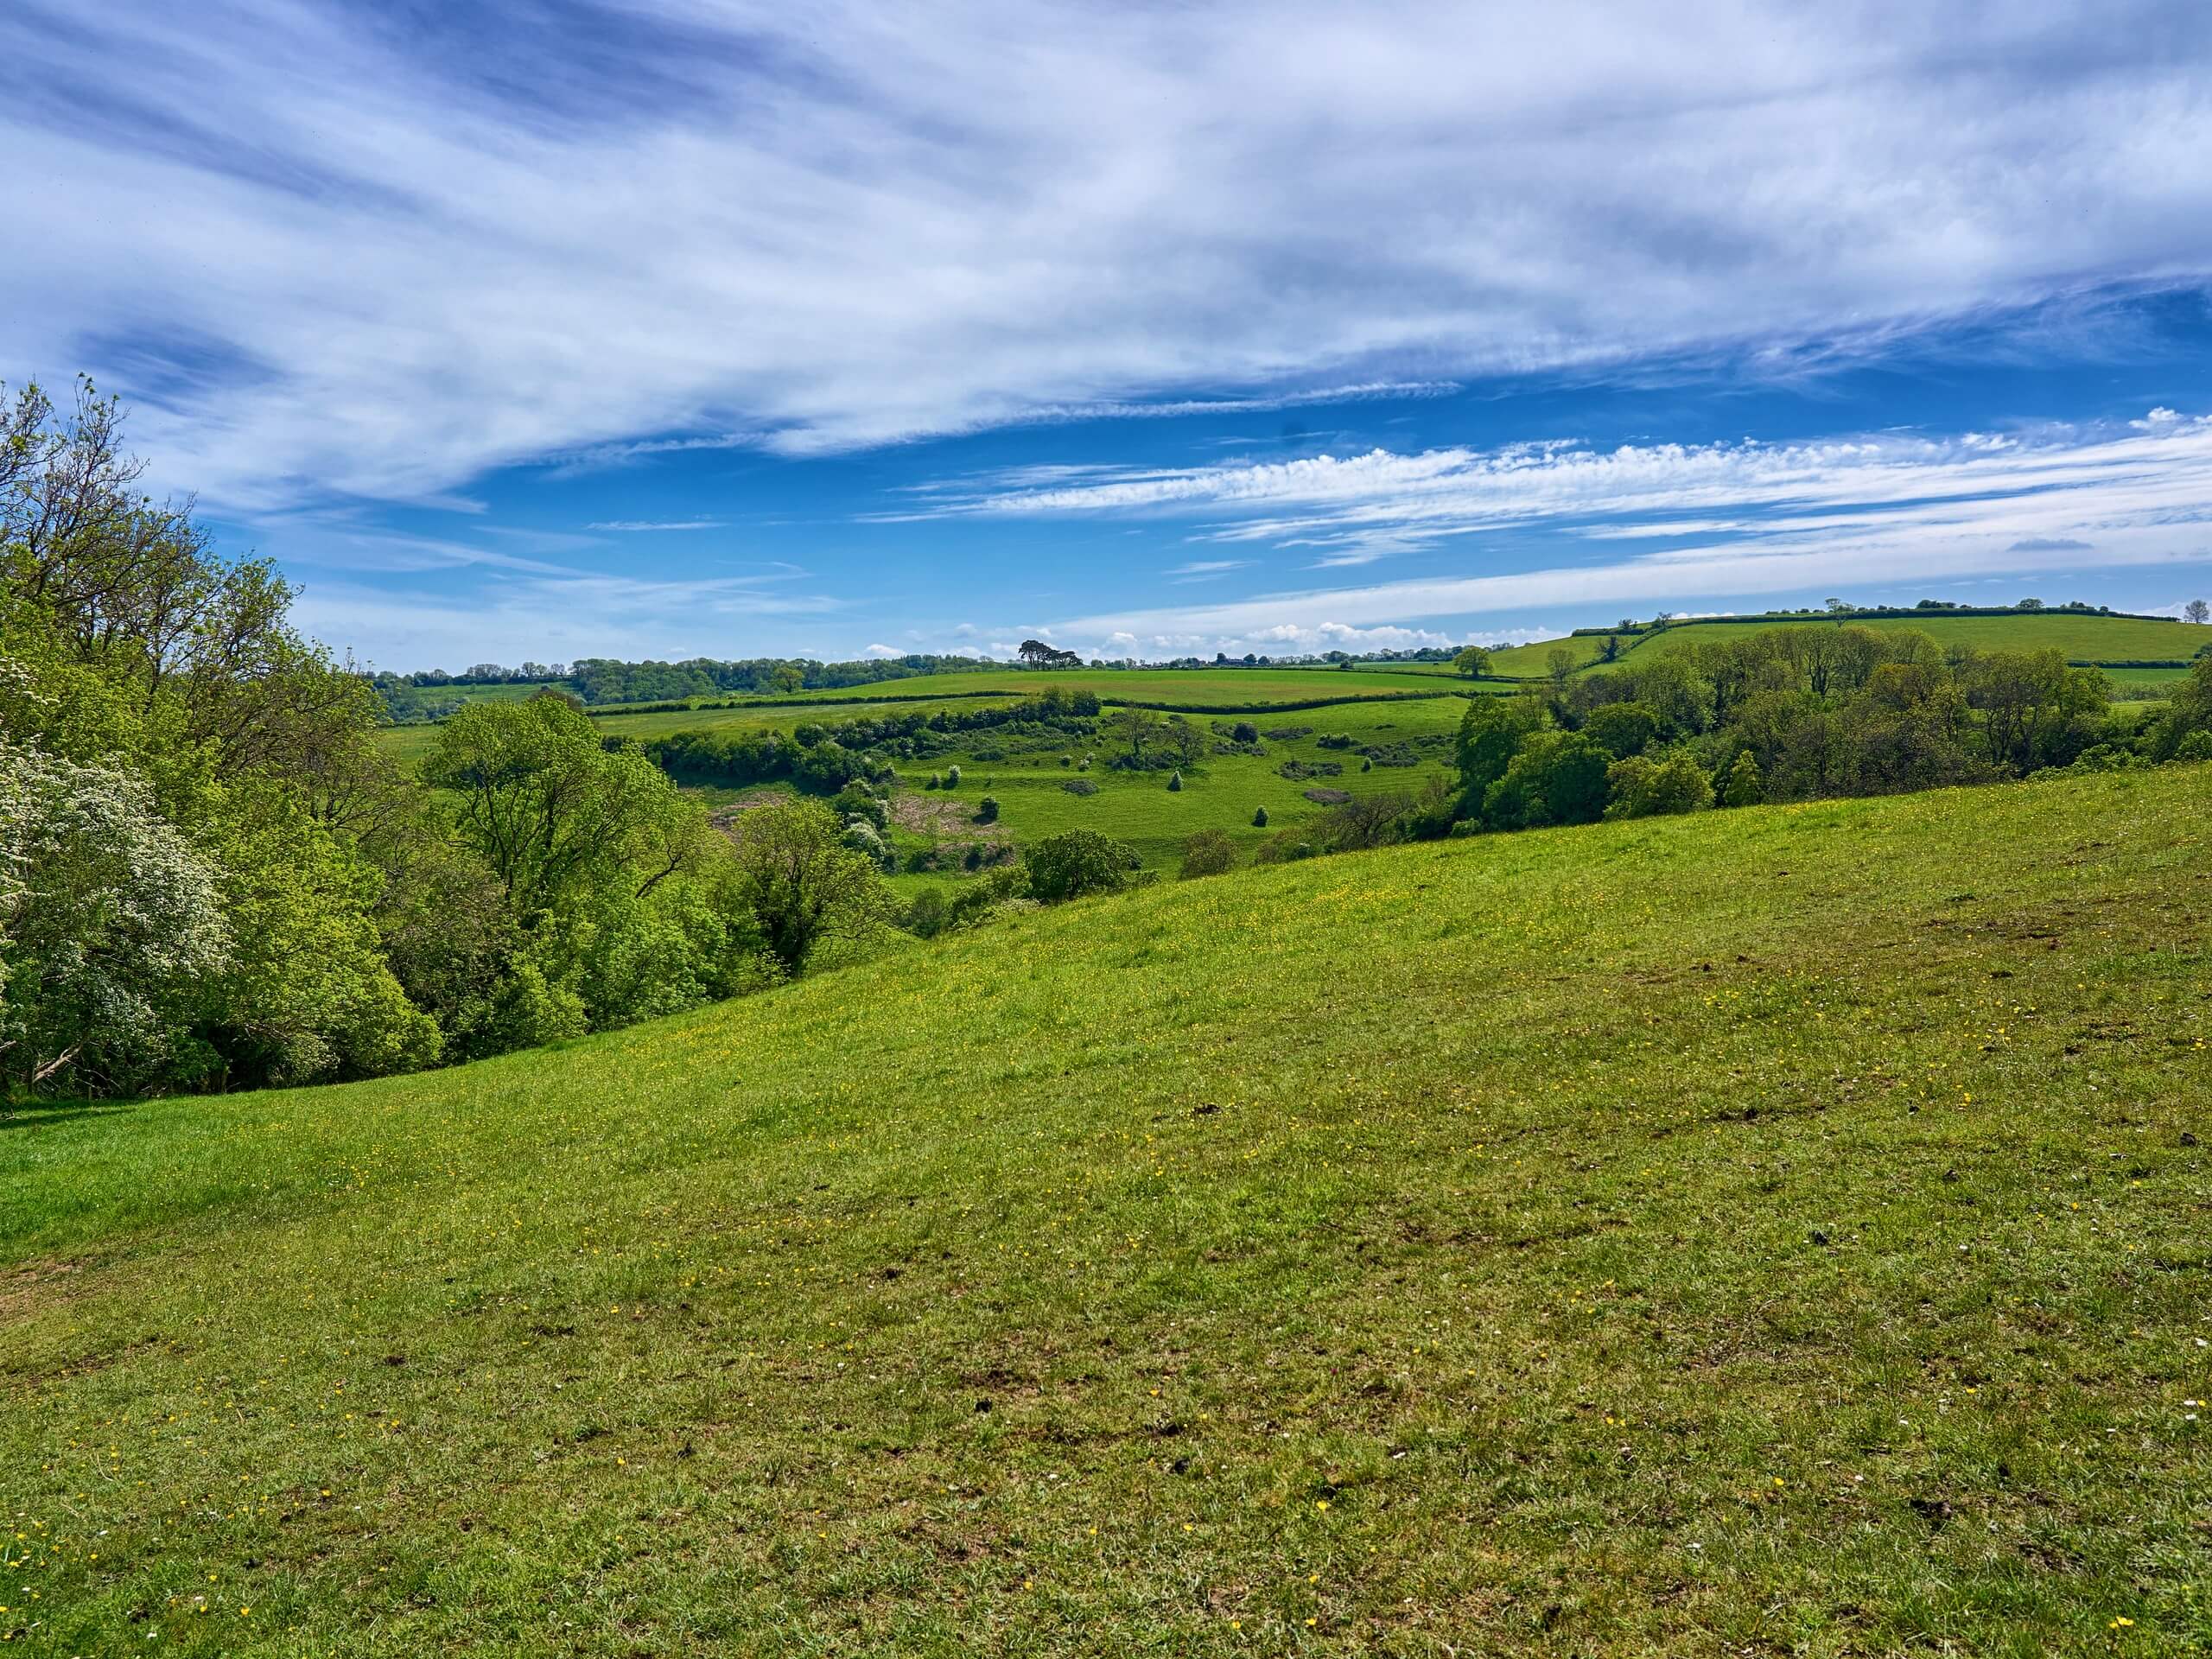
(211, 876)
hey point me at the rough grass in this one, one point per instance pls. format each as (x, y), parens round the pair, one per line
(1776, 1231)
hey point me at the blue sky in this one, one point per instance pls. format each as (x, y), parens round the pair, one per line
(698, 327)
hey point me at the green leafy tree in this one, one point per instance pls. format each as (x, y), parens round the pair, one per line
(1625, 728)
(1744, 787)
(803, 885)
(1077, 862)
(1554, 777)
(1490, 734)
(550, 809)
(1641, 787)
(1472, 664)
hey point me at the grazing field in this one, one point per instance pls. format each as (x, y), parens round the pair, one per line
(1174, 687)
(2083, 638)
(1772, 1231)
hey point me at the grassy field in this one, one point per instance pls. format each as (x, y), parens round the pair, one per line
(2083, 638)
(1778, 1231)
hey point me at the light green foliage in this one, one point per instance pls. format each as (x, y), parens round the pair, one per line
(1490, 732)
(2189, 711)
(1806, 1144)
(801, 883)
(1640, 787)
(2197, 746)
(1472, 664)
(1744, 787)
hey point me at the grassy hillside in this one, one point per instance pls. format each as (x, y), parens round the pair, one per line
(1773, 1231)
(2083, 638)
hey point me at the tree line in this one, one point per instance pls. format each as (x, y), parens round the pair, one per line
(213, 876)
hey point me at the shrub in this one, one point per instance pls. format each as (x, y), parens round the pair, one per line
(2197, 746)
(1175, 783)
(1243, 732)
(1079, 862)
(986, 810)
(925, 917)
(1260, 818)
(1080, 786)
(1367, 764)
(1210, 852)
(1334, 740)
(1645, 788)
(952, 778)
(1067, 760)
(936, 781)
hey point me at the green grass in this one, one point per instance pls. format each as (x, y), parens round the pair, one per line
(1778, 1231)
(1182, 688)
(1137, 806)
(2083, 638)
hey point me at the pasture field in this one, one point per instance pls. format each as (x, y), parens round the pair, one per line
(1177, 688)
(1781, 1230)
(1137, 807)
(2083, 638)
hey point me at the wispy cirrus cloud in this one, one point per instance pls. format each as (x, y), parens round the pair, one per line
(347, 250)
(1744, 519)
(636, 526)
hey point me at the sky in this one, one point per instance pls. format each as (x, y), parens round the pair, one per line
(562, 328)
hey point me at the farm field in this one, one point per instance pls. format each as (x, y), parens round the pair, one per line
(2083, 638)
(1777, 1230)
(1179, 688)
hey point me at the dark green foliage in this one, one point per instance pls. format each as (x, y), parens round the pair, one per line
(1077, 862)
(1493, 729)
(1554, 777)
(925, 917)
(986, 810)
(1625, 728)
(1260, 818)
(1174, 783)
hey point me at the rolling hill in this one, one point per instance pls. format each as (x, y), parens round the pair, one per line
(1779, 1231)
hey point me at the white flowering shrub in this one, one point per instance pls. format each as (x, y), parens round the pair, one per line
(115, 924)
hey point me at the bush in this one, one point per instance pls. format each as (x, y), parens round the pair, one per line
(925, 917)
(1080, 786)
(936, 781)
(986, 810)
(952, 778)
(1260, 818)
(1174, 783)
(1334, 740)
(1243, 732)
(2197, 746)
(1079, 862)
(1645, 788)
(1210, 852)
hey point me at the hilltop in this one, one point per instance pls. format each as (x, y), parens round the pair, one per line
(1780, 1230)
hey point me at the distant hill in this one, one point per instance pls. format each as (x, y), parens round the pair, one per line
(1778, 1227)
(2086, 637)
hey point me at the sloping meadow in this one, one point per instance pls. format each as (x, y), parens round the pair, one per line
(1779, 1231)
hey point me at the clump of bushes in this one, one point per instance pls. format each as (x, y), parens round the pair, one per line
(1210, 852)
(986, 810)
(1077, 862)
(1080, 786)
(1334, 740)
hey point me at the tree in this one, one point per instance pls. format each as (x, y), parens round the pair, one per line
(1037, 654)
(986, 810)
(1079, 862)
(2198, 610)
(1490, 732)
(1260, 818)
(1137, 727)
(802, 884)
(1472, 664)
(119, 927)
(1554, 777)
(2027, 698)
(1641, 787)
(550, 809)
(1174, 783)
(1744, 786)
(1626, 729)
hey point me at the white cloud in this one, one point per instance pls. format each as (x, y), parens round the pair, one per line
(633, 525)
(882, 651)
(2158, 420)
(323, 253)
